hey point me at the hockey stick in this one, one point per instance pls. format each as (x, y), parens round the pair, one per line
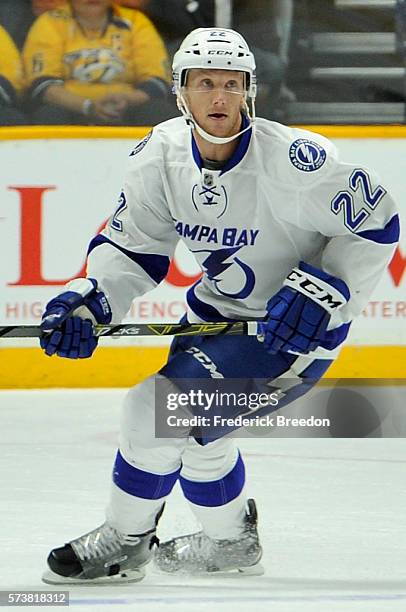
(239, 328)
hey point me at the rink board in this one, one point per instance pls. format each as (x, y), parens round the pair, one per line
(123, 367)
(67, 178)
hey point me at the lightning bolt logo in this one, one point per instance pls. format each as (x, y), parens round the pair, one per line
(215, 265)
(307, 155)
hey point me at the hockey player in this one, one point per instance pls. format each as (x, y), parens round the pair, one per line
(284, 232)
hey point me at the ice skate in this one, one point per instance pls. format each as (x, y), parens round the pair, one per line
(197, 553)
(102, 556)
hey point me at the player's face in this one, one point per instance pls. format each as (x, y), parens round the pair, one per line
(215, 99)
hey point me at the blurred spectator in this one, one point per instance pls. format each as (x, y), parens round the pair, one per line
(175, 18)
(10, 81)
(92, 62)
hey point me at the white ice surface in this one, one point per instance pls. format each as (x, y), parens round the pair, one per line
(332, 513)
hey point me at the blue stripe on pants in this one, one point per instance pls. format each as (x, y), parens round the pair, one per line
(215, 492)
(136, 482)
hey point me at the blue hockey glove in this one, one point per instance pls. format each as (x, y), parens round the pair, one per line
(299, 313)
(67, 323)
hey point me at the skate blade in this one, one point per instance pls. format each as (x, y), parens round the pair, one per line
(252, 570)
(49, 577)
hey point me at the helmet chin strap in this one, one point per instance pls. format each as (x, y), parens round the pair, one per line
(190, 120)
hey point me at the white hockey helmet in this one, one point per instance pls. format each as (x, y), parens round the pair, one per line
(217, 49)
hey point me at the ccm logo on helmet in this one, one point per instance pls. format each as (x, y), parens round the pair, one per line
(219, 52)
(320, 292)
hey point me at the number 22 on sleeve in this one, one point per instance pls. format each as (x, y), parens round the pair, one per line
(344, 200)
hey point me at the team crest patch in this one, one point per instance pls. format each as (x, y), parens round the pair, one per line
(141, 144)
(307, 155)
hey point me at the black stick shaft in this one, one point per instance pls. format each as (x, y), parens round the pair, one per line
(239, 328)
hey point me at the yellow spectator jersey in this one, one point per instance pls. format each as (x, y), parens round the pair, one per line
(10, 68)
(129, 52)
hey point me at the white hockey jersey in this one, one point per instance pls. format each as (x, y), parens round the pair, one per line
(282, 198)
